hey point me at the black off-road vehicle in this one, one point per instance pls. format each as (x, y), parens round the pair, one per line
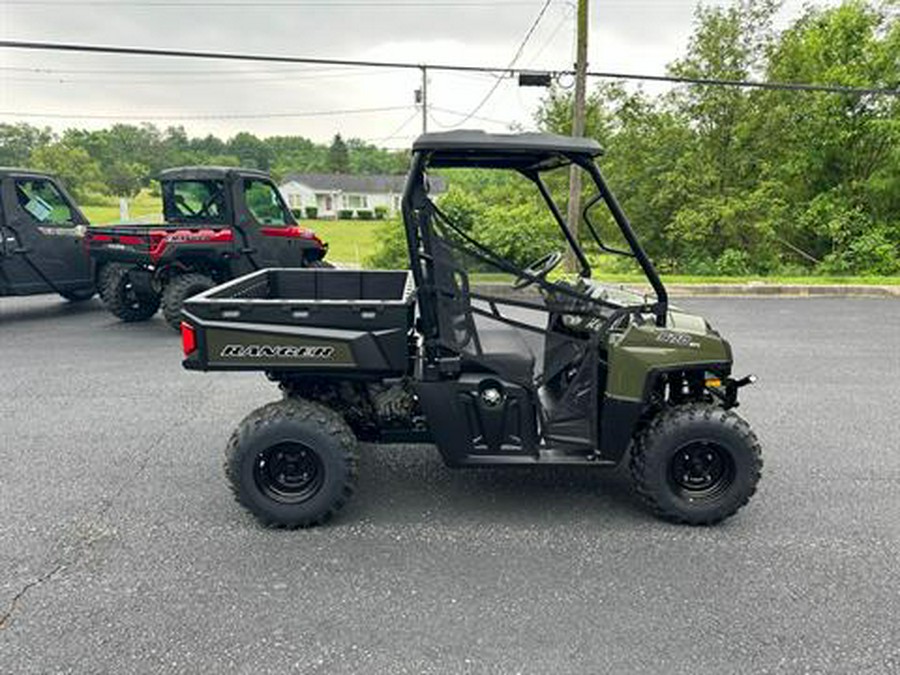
(220, 223)
(576, 374)
(41, 238)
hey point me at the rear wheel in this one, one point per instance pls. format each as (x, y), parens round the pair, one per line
(179, 289)
(696, 464)
(292, 463)
(122, 299)
(102, 275)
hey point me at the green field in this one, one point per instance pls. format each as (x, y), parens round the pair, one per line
(143, 208)
(349, 241)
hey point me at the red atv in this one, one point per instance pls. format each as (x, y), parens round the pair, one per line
(220, 223)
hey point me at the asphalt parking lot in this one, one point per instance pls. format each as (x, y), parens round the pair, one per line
(122, 551)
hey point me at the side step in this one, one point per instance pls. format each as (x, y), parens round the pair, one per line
(544, 458)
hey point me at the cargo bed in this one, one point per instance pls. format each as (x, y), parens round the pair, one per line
(308, 320)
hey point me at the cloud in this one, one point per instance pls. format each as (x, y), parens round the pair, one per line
(636, 36)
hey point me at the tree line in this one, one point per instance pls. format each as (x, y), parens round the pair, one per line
(740, 181)
(717, 180)
(123, 159)
(731, 181)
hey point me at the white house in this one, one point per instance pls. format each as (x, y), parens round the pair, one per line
(334, 192)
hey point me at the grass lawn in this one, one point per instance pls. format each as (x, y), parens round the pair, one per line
(143, 208)
(349, 241)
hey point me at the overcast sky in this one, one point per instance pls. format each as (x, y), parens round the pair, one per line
(626, 35)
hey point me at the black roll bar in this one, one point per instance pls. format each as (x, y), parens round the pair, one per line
(662, 296)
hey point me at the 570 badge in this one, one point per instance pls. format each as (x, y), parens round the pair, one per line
(276, 351)
(677, 339)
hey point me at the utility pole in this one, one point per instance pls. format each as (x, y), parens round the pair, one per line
(574, 214)
(424, 99)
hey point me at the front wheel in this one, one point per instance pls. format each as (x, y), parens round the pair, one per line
(179, 289)
(292, 463)
(696, 464)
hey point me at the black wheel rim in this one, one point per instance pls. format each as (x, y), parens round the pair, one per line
(289, 473)
(130, 296)
(701, 470)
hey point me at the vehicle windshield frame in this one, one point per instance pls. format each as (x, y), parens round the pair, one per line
(418, 207)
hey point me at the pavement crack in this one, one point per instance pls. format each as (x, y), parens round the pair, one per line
(6, 617)
(76, 552)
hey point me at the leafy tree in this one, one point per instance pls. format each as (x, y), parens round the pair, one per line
(251, 151)
(72, 165)
(125, 179)
(18, 141)
(338, 156)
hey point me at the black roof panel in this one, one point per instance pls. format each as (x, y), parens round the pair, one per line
(208, 173)
(16, 171)
(517, 151)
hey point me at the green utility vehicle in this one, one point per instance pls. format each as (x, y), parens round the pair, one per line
(573, 373)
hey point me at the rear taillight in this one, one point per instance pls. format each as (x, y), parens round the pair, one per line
(188, 338)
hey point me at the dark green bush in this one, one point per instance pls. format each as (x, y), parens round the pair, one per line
(391, 251)
(345, 214)
(364, 214)
(312, 212)
(381, 212)
(297, 213)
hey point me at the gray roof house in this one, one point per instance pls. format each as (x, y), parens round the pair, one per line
(334, 192)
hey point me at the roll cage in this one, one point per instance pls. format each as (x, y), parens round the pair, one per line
(429, 231)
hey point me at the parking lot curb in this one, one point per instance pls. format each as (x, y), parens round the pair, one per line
(740, 290)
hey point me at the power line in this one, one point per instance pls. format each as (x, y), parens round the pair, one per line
(395, 133)
(512, 63)
(746, 84)
(272, 78)
(314, 70)
(458, 113)
(400, 65)
(217, 116)
(563, 21)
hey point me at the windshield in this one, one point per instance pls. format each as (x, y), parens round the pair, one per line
(265, 204)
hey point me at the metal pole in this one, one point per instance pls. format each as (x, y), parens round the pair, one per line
(574, 212)
(424, 100)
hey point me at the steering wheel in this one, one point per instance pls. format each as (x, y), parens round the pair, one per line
(539, 269)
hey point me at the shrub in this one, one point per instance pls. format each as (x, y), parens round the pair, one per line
(345, 214)
(391, 252)
(734, 262)
(517, 234)
(364, 214)
(463, 208)
(312, 212)
(297, 213)
(381, 212)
